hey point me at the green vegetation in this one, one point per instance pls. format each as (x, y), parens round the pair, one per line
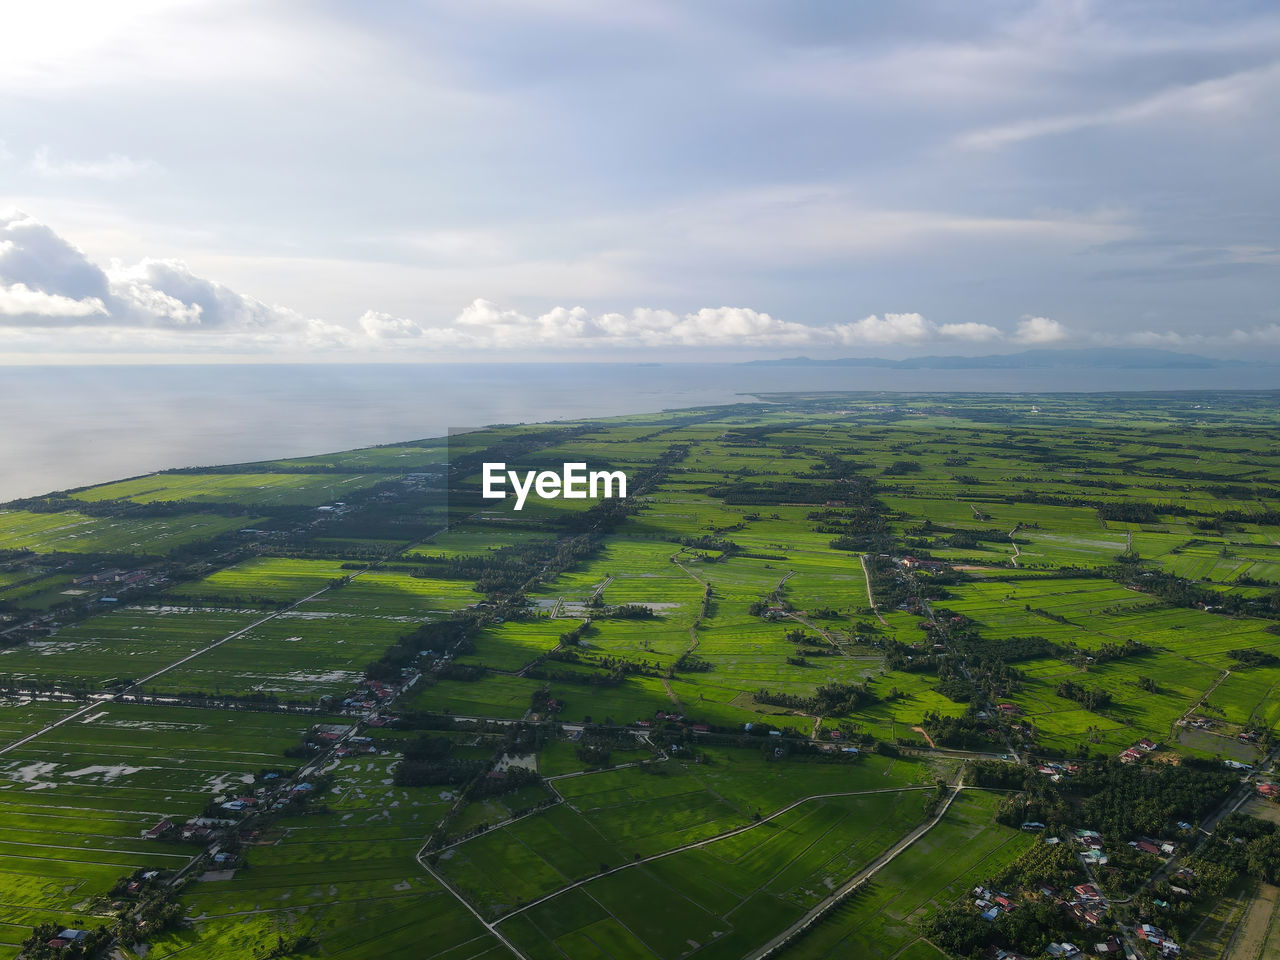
(672, 726)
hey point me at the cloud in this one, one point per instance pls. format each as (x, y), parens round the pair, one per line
(167, 293)
(1216, 98)
(893, 328)
(21, 302)
(483, 323)
(53, 296)
(34, 255)
(47, 282)
(909, 328)
(1039, 331)
(975, 332)
(115, 166)
(383, 326)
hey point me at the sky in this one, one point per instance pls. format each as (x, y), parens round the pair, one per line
(575, 180)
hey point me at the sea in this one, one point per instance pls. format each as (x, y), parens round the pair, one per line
(63, 427)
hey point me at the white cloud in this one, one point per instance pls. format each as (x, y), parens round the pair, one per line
(115, 166)
(167, 293)
(49, 287)
(975, 332)
(893, 328)
(911, 328)
(47, 282)
(1039, 331)
(383, 326)
(34, 255)
(1217, 98)
(20, 301)
(483, 323)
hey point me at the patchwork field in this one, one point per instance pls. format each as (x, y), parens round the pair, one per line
(665, 727)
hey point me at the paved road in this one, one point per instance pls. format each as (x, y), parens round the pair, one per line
(858, 880)
(709, 840)
(866, 575)
(98, 702)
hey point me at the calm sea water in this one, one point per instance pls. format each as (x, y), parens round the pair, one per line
(64, 427)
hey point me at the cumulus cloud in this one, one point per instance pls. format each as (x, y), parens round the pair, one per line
(49, 286)
(383, 326)
(975, 332)
(167, 293)
(33, 254)
(909, 328)
(46, 281)
(483, 323)
(892, 328)
(1039, 331)
(19, 300)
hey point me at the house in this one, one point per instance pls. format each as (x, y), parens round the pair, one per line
(159, 830)
(1145, 846)
(1269, 790)
(1033, 825)
(1062, 950)
(1157, 938)
(72, 934)
(1110, 945)
(1130, 755)
(1007, 708)
(1146, 745)
(1087, 891)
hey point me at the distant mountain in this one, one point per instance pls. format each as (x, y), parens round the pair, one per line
(1112, 359)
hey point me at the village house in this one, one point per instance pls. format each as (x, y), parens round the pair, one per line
(159, 830)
